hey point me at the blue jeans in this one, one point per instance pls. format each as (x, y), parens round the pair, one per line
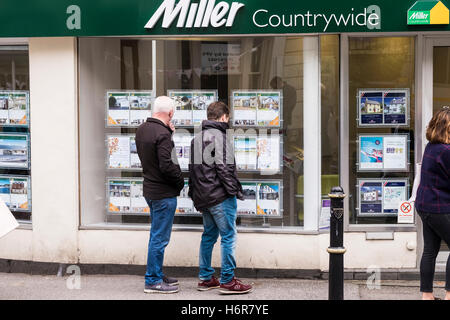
(219, 219)
(162, 213)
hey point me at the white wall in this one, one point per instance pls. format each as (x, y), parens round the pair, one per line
(54, 148)
(253, 250)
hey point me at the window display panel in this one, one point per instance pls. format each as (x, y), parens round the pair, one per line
(381, 127)
(15, 173)
(269, 140)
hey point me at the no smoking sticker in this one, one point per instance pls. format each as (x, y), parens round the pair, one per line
(405, 207)
(406, 212)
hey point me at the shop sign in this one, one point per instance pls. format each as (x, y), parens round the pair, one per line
(428, 12)
(79, 18)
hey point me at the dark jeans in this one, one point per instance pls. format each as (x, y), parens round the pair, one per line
(162, 213)
(436, 227)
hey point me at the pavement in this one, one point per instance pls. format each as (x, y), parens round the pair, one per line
(15, 286)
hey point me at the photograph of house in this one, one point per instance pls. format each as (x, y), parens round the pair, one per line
(371, 106)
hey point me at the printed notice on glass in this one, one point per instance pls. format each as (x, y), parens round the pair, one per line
(119, 152)
(14, 151)
(126, 196)
(119, 196)
(381, 197)
(256, 108)
(138, 204)
(245, 152)
(191, 106)
(183, 149)
(14, 108)
(122, 153)
(248, 205)
(395, 152)
(383, 152)
(260, 153)
(140, 107)
(128, 108)
(244, 105)
(14, 191)
(200, 102)
(383, 107)
(118, 108)
(185, 206)
(268, 153)
(268, 199)
(261, 199)
(268, 114)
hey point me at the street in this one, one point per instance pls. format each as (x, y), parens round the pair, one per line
(128, 287)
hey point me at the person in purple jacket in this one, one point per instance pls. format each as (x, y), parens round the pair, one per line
(433, 200)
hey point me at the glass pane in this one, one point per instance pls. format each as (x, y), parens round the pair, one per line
(441, 78)
(15, 180)
(229, 64)
(381, 81)
(329, 67)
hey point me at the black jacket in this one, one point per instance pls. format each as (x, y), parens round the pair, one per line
(162, 174)
(213, 176)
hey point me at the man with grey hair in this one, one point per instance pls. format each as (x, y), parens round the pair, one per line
(162, 184)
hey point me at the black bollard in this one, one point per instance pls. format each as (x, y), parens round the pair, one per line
(336, 249)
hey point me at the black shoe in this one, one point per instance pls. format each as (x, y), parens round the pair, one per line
(170, 281)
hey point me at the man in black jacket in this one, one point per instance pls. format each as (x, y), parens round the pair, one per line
(214, 187)
(162, 184)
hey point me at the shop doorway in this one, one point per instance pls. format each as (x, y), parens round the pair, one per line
(436, 93)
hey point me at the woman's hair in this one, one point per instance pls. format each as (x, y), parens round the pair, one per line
(438, 130)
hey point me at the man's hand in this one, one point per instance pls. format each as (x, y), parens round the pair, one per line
(240, 196)
(171, 126)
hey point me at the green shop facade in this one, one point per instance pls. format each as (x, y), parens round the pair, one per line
(321, 95)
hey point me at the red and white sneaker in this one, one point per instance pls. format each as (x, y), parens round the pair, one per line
(235, 286)
(205, 285)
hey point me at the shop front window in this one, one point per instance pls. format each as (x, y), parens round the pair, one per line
(260, 78)
(381, 127)
(15, 181)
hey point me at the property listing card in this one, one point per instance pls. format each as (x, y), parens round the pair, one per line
(383, 107)
(14, 108)
(119, 196)
(126, 196)
(185, 205)
(183, 149)
(128, 108)
(381, 197)
(256, 108)
(191, 106)
(268, 199)
(119, 149)
(248, 205)
(14, 151)
(14, 191)
(140, 107)
(244, 106)
(200, 102)
(383, 152)
(268, 114)
(183, 108)
(118, 108)
(246, 153)
(138, 204)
